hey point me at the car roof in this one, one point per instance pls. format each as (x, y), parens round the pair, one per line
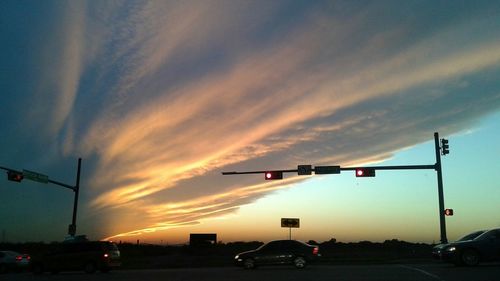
(288, 241)
(493, 230)
(10, 252)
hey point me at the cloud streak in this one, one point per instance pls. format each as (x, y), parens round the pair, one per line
(233, 115)
(165, 95)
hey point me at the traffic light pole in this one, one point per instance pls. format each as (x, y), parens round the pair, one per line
(338, 169)
(442, 222)
(403, 167)
(75, 188)
(72, 227)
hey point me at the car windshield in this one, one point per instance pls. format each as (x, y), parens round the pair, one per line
(471, 236)
(486, 235)
(269, 246)
(111, 247)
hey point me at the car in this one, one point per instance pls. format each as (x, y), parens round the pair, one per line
(10, 260)
(437, 250)
(479, 246)
(78, 255)
(276, 252)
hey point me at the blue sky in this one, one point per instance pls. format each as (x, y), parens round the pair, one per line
(159, 97)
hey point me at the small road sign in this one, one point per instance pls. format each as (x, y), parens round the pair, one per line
(290, 222)
(304, 170)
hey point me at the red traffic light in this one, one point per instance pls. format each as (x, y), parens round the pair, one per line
(448, 212)
(365, 172)
(14, 176)
(273, 175)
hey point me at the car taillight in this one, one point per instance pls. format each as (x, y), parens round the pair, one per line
(315, 250)
(19, 258)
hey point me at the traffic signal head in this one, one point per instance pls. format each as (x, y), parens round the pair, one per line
(14, 176)
(445, 147)
(273, 175)
(448, 212)
(365, 172)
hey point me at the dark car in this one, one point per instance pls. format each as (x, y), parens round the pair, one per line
(480, 246)
(292, 252)
(78, 255)
(438, 249)
(10, 260)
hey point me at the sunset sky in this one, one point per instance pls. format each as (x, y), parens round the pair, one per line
(159, 97)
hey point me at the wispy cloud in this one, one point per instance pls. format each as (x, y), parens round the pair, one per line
(236, 114)
(64, 61)
(165, 95)
(190, 212)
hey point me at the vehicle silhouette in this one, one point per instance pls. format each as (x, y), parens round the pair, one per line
(78, 255)
(480, 246)
(276, 252)
(10, 260)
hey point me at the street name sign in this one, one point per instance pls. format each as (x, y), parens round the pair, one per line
(34, 176)
(322, 170)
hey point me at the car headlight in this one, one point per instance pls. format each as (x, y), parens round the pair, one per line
(451, 249)
(236, 257)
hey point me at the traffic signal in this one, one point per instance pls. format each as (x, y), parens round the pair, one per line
(448, 212)
(365, 172)
(445, 147)
(273, 175)
(14, 176)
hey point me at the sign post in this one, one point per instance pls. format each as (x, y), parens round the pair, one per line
(290, 223)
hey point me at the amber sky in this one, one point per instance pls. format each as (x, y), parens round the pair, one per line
(159, 97)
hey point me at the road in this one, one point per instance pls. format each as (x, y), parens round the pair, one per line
(407, 272)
